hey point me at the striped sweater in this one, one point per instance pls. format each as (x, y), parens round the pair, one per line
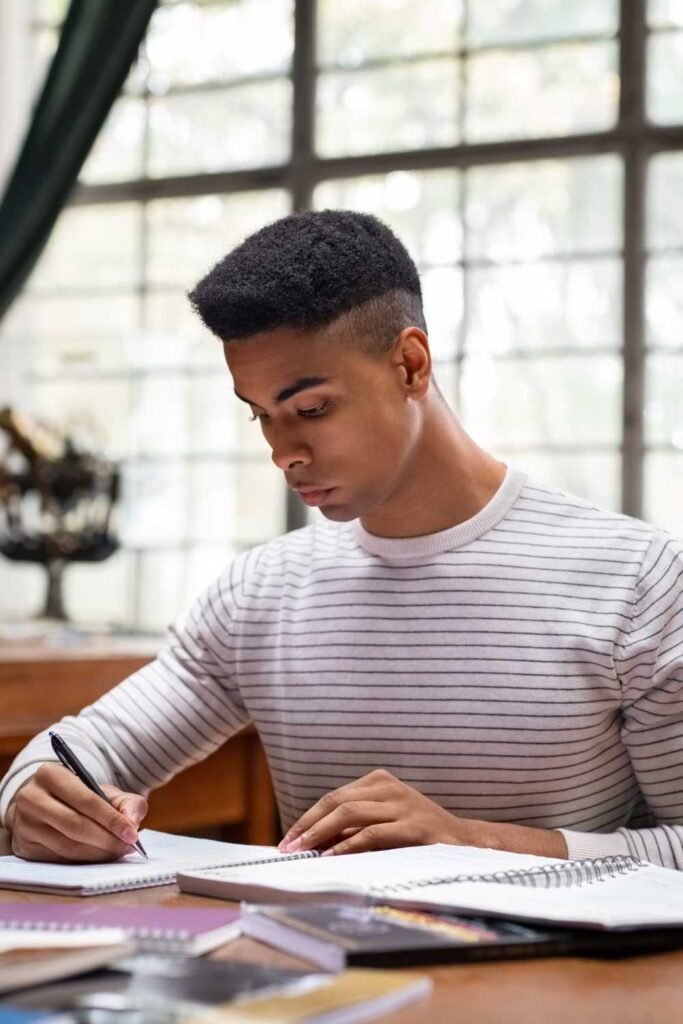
(524, 666)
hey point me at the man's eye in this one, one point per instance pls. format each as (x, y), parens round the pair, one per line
(317, 410)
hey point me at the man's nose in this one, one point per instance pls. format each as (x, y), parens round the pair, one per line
(288, 451)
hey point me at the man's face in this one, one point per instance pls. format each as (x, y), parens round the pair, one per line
(338, 421)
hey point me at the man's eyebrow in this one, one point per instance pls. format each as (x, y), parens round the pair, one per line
(293, 389)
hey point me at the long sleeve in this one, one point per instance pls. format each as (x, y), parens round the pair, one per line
(168, 715)
(649, 664)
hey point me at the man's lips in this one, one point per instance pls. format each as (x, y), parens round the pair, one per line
(313, 496)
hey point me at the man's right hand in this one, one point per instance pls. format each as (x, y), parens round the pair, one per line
(55, 817)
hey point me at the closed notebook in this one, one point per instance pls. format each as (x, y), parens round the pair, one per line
(156, 988)
(336, 936)
(23, 968)
(168, 854)
(608, 892)
(348, 998)
(190, 931)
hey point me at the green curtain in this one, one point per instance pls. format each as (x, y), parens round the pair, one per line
(98, 43)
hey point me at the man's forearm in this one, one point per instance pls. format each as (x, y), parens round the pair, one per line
(517, 838)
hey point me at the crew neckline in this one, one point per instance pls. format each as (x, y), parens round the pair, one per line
(455, 536)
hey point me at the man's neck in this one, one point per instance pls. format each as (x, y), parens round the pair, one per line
(451, 479)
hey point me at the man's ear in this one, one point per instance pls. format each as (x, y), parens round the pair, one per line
(413, 358)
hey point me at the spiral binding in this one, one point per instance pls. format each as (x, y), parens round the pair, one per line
(168, 877)
(548, 876)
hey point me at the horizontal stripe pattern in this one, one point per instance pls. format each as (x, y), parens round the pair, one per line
(526, 666)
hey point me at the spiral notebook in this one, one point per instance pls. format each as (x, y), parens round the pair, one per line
(167, 854)
(609, 892)
(190, 931)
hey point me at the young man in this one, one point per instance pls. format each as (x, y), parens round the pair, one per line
(451, 653)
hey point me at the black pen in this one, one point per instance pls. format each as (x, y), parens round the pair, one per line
(70, 761)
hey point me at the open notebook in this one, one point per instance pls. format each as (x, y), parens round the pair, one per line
(610, 892)
(168, 854)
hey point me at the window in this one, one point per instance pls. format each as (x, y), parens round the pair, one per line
(529, 152)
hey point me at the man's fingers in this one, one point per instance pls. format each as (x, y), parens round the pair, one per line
(383, 836)
(353, 814)
(67, 789)
(49, 822)
(54, 816)
(328, 804)
(131, 805)
(46, 843)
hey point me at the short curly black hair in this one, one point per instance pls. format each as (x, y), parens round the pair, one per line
(305, 271)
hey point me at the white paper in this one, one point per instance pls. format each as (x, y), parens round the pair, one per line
(43, 938)
(645, 896)
(167, 855)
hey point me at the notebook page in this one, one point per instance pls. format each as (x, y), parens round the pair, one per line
(360, 872)
(646, 897)
(167, 855)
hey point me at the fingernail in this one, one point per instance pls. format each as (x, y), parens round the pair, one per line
(130, 836)
(295, 845)
(327, 853)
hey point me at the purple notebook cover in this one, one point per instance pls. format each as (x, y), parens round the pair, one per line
(169, 922)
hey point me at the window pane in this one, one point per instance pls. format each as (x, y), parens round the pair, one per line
(212, 499)
(525, 211)
(169, 580)
(665, 13)
(492, 22)
(595, 477)
(664, 490)
(177, 413)
(83, 333)
(534, 402)
(187, 236)
(91, 246)
(22, 594)
(119, 148)
(156, 503)
(230, 37)
(250, 439)
(355, 31)
(664, 302)
(664, 401)
(576, 304)
(261, 502)
(422, 208)
(95, 412)
(665, 200)
(388, 108)
(159, 423)
(170, 318)
(555, 91)
(51, 11)
(442, 293)
(160, 579)
(665, 78)
(245, 126)
(213, 414)
(99, 593)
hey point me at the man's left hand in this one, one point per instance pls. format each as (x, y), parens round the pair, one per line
(379, 812)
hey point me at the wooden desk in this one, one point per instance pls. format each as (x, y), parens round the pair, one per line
(39, 684)
(564, 990)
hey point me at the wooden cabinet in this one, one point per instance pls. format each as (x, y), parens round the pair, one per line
(39, 684)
